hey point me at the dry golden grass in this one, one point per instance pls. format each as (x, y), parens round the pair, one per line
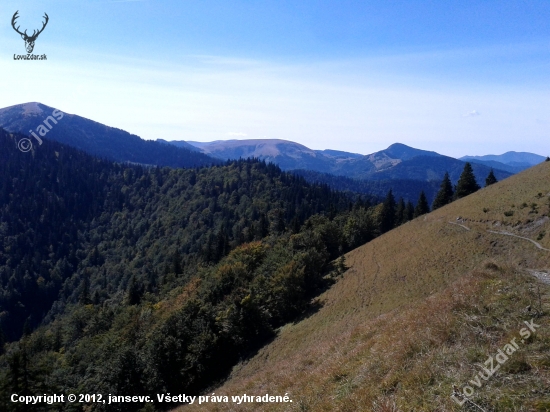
(418, 309)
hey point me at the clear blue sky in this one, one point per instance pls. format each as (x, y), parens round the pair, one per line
(458, 77)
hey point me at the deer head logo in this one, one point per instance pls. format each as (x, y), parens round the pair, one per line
(29, 40)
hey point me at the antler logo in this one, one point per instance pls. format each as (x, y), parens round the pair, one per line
(29, 40)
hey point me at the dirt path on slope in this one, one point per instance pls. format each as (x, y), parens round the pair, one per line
(458, 224)
(504, 233)
(521, 237)
(541, 276)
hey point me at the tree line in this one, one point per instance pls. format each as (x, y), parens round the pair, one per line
(395, 213)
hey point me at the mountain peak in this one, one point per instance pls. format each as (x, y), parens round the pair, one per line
(31, 108)
(404, 152)
(399, 146)
(261, 148)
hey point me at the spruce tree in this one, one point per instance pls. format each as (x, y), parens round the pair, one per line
(84, 295)
(445, 194)
(400, 213)
(27, 329)
(422, 206)
(96, 298)
(2, 341)
(467, 183)
(410, 211)
(176, 263)
(387, 215)
(295, 225)
(263, 226)
(491, 179)
(133, 294)
(341, 264)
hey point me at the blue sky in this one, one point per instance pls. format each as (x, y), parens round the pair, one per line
(458, 77)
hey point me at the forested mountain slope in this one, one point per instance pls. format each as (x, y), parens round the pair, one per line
(129, 280)
(406, 188)
(420, 311)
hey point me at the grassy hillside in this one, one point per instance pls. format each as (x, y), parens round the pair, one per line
(419, 311)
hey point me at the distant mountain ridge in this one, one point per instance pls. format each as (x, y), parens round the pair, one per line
(398, 162)
(98, 139)
(181, 144)
(513, 162)
(407, 179)
(511, 158)
(289, 155)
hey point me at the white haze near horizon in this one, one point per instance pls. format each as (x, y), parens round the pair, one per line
(354, 105)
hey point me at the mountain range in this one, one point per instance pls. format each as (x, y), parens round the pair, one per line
(293, 156)
(513, 162)
(398, 161)
(239, 278)
(405, 169)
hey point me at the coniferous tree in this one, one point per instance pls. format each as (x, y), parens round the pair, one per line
(341, 264)
(422, 206)
(467, 183)
(176, 263)
(96, 298)
(400, 213)
(491, 179)
(27, 329)
(14, 372)
(445, 194)
(19, 369)
(387, 215)
(222, 244)
(133, 296)
(2, 341)
(295, 225)
(263, 226)
(57, 340)
(410, 211)
(95, 258)
(84, 295)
